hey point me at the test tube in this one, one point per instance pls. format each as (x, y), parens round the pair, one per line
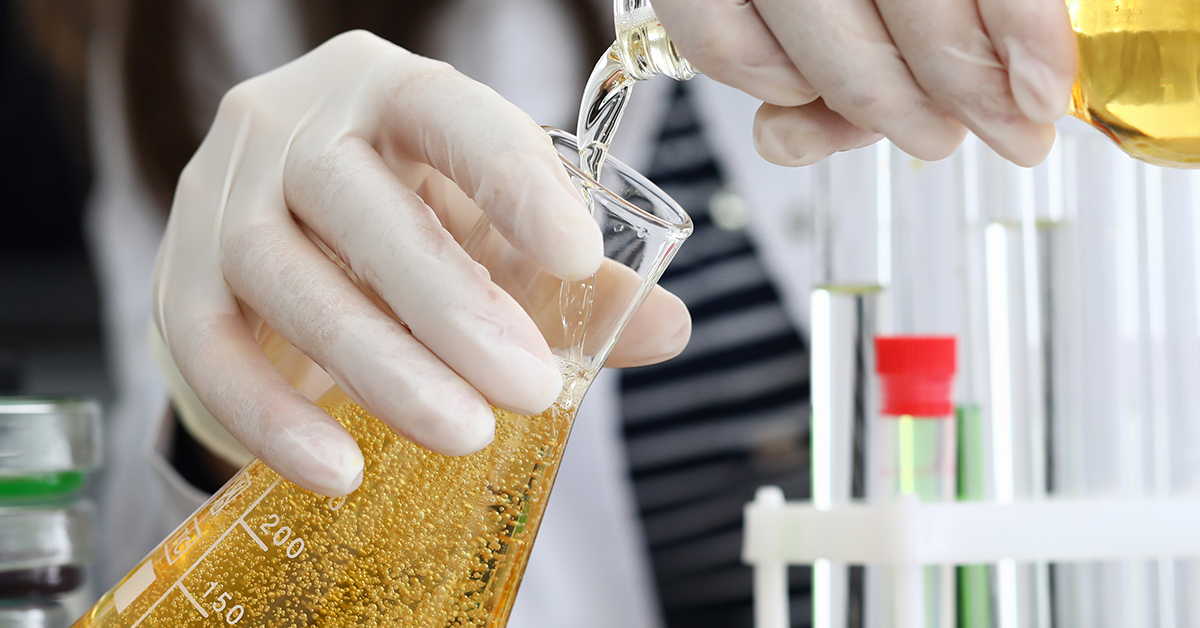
(1017, 214)
(913, 449)
(976, 592)
(1162, 265)
(1106, 387)
(1181, 199)
(852, 266)
(916, 463)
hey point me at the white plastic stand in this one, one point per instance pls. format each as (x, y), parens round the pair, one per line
(910, 533)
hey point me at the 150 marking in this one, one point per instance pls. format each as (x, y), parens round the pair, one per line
(235, 612)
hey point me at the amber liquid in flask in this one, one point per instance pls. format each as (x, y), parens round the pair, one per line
(1139, 75)
(439, 547)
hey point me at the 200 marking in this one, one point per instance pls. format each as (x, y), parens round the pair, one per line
(281, 536)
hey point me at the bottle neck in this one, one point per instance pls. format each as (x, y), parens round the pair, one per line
(643, 58)
(642, 45)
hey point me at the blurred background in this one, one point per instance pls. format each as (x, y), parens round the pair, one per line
(50, 340)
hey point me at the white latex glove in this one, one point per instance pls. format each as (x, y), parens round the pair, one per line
(365, 156)
(839, 74)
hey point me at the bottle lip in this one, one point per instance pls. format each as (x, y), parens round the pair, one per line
(43, 435)
(917, 374)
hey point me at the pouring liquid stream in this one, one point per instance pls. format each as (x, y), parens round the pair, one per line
(604, 100)
(640, 51)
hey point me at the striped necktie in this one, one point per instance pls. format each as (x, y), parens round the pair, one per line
(705, 429)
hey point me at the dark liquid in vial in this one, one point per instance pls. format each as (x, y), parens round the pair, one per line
(39, 582)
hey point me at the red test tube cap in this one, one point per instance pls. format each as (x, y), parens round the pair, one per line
(917, 373)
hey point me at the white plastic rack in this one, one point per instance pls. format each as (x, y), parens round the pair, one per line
(779, 533)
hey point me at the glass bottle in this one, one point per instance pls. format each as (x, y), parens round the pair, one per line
(1139, 76)
(48, 446)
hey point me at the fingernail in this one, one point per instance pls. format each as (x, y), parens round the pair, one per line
(784, 138)
(1042, 93)
(322, 458)
(543, 381)
(789, 147)
(582, 247)
(472, 427)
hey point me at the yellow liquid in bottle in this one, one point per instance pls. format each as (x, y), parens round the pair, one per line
(643, 46)
(427, 540)
(1139, 75)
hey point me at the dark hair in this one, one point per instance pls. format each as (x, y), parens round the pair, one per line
(156, 101)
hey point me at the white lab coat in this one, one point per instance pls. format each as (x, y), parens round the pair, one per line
(589, 567)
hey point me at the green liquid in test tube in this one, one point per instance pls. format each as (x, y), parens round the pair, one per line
(974, 581)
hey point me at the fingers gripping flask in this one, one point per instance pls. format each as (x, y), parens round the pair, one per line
(427, 540)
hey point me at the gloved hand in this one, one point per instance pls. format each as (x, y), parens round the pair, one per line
(838, 74)
(363, 155)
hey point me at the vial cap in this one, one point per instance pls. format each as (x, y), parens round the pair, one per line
(917, 373)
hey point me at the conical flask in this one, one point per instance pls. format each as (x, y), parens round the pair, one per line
(426, 540)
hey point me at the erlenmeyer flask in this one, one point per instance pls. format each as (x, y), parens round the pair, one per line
(426, 540)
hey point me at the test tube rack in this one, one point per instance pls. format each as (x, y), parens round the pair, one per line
(1089, 259)
(780, 533)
